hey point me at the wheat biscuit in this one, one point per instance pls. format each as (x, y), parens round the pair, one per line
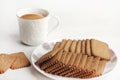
(88, 48)
(72, 59)
(88, 63)
(21, 61)
(57, 45)
(82, 62)
(68, 58)
(67, 46)
(78, 47)
(5, 62)
(100, 49)
(95, 63)
(63, 43)
(77, 60)
(83, 47)
(73, 46)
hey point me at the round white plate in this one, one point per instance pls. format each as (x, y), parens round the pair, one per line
(46, 47)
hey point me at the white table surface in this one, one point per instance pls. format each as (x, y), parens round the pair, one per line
(98, 19)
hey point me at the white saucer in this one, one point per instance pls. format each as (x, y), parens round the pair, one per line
(46, 47)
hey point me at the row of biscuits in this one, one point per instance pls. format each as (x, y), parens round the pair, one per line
(69, 64)
(70, 58)
(91, 47)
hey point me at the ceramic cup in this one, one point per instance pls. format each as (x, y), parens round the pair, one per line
(34, 32)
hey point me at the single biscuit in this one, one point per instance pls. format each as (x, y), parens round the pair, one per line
(78, 47)
(95, 63)
(83, 47)
(57, 45)
(67, 46)
(21, 61)
(72, 59)
(68, 58)
(88, 48)
(88, 63)
(100, 49)
(77, 60)
(64, 54)
(63, 43)
(82, 62)
(73, 46)
(5, 62)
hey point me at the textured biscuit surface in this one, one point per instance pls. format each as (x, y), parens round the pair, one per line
(5, 62)
(100, 49)
(21, 60)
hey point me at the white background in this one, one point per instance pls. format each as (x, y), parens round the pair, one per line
(98, 19)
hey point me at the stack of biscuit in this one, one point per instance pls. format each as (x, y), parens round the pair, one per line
(76, 58)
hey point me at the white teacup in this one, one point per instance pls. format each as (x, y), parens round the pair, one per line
(34, 32)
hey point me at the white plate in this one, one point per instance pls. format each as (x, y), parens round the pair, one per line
(46, 47)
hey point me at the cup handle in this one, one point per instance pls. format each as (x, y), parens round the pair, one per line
(56, 25)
